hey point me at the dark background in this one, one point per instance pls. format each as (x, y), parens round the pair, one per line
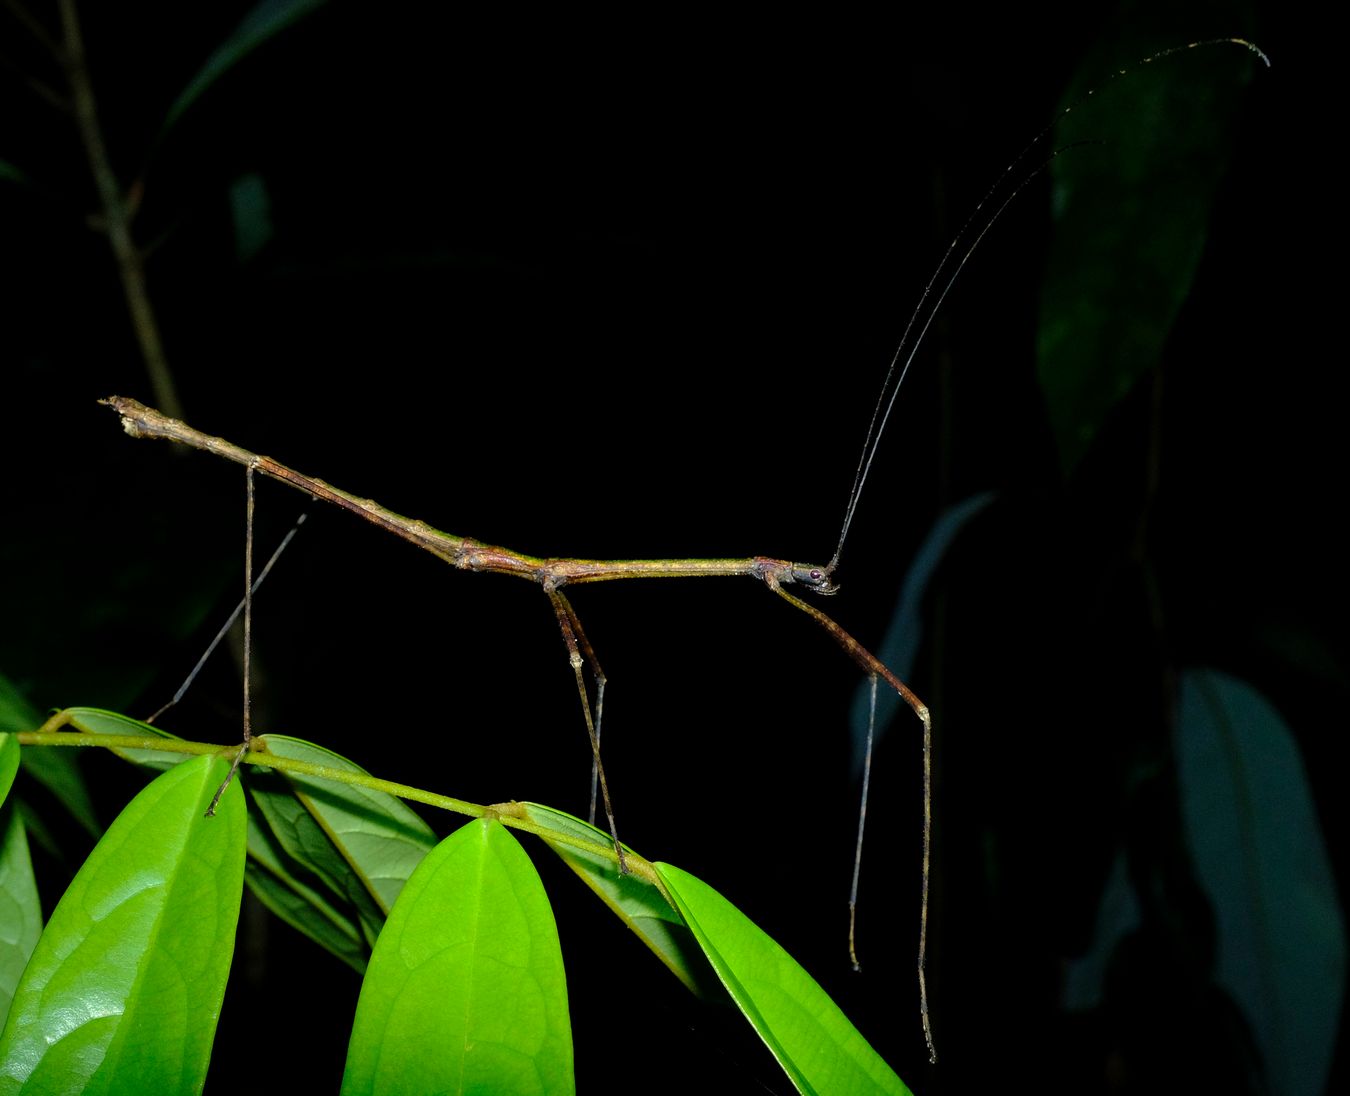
(626, 286)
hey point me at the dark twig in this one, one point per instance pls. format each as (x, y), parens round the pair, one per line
(117, 213)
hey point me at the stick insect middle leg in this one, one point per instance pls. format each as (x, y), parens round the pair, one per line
(574, 636)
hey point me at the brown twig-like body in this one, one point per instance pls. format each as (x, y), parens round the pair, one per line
(553, 574)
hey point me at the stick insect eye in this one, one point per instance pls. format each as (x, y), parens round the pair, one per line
(816, 578)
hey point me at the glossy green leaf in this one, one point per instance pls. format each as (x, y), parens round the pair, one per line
(307, 848)
(262, 23)
(1131, 219)
(363, 844)
(20, 914)
(313, 845)
(378, 834)
(1259, 851)
(124, 989)
(806, 1031)
(466, 991)
(279, 884)
(20, 911)
(99, 721)
(641, 906)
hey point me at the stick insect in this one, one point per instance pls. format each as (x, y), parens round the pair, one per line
(783, 577)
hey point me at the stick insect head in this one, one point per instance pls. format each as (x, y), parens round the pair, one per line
(814, 577)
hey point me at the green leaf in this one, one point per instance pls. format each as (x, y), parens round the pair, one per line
(466, 990)
(124, 989)
(20, 914)
(359, 844)
(276, 880)
(378, 834)
(9, 763)
(16, 714)
(267, 19)
(362, 844)
(309, 851)
(639, 904)
(251, 212)
(56, 770)
(99, 721)
(20, 911)
(1259, 852)
(900, 646)
(806, 1031)
(1131, 220)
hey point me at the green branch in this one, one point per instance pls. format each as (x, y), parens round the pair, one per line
(509, 814)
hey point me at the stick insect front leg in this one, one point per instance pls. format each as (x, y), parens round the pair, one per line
(819, 579)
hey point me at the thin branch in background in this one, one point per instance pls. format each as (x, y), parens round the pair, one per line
(33, 26)
(41, 88)
(117, 212)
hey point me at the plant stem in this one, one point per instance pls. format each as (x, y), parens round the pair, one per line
(116, 212)
(503, 812)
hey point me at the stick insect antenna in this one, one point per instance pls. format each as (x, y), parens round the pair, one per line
(954, 260)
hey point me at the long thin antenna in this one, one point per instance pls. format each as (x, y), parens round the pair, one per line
(954, 260)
